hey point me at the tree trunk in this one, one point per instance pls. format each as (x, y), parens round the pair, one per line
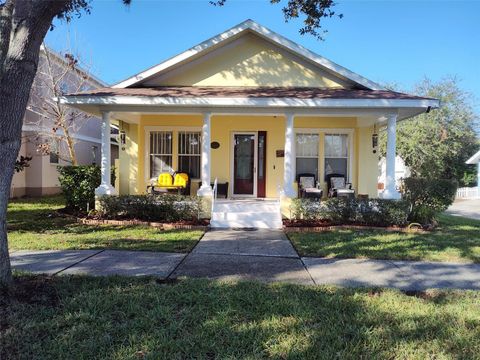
(71, 146)
(23, 29)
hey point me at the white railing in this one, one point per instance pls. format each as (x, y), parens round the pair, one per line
(468, 193)
(214, 197)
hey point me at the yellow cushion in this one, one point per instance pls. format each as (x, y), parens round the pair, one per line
(165, 179)
(180, 180)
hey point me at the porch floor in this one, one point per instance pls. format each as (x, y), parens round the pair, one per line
(246, 213)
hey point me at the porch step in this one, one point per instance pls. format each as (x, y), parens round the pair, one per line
(246, 214)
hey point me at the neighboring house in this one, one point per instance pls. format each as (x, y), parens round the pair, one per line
(471, 192)
(41, 176)
(254, 109)
(401, 171)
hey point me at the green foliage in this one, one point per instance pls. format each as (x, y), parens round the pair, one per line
(161, 208)
(428, 197)
(372, 212)
(78, 184)
(22, 163)
(436, 145)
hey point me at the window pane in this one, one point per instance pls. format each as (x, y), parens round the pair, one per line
(160, 164)
(336, 166)
(336, 145)
(307, 145)
(161, 142)
(189, 143)
(307, 165)
(189, 165)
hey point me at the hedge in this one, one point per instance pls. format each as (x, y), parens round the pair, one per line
(372, 212)
(428, 197)
(158, 208)
(78, 185)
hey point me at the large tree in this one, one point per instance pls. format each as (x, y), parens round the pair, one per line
(23, 26)
(436, 144)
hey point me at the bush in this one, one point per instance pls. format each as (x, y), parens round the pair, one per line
(78, 184)
(428, 197)
(372, 212)
(160, 208)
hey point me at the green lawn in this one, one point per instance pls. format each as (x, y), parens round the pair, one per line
(455, 240)
(35, 224)
(125, 318)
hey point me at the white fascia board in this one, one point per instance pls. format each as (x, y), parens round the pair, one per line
(263, 32)
(475, 159)
(248, 102)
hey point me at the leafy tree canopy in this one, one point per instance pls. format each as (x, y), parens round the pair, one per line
(437, 144)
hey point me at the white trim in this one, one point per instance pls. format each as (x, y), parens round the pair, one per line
(475, 159)
(232, 162)
(48, 130)
(263, 32)
(174, 130)
(255, 102)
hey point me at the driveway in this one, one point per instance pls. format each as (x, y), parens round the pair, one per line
(465, 208)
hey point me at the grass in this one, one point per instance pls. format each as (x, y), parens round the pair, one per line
(35, 224)
(125, 318)
(455, 240)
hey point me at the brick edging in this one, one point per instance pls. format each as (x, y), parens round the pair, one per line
(162, 226)
(349, 227)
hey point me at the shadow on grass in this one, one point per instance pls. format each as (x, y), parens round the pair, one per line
(82, 317)
(456, 239)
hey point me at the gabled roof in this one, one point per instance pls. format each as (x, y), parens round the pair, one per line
(235, 32)
(475, 159)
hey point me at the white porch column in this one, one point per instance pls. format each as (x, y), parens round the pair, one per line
(390, 189)
(205, 189)
(105, 187)
(289, 159)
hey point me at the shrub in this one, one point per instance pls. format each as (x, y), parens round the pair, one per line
(78, 185)
(372, 212)
(428, 197)
(161, 208)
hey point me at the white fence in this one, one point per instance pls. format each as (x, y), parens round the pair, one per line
(468, 193)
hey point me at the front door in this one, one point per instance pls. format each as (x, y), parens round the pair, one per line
(244, 164)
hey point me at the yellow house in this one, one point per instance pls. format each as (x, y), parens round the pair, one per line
(253, 109)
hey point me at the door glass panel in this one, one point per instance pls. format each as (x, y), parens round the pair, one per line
(244, 156)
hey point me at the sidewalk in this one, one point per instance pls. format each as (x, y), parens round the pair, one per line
(264, 255)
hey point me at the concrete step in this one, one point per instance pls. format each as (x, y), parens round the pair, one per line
(250, 207)
(246, 216)
(260, 224)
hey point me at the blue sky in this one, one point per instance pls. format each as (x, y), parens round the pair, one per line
(386, 41)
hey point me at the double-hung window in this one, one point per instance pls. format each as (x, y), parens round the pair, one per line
(189, 153)
(160, 152)
(336, 154)
(307, 153)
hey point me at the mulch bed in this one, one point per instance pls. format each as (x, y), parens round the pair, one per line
(321, 226)
(184, 225)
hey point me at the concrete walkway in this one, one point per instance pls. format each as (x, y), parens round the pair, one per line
(264, 255)
(465, 208)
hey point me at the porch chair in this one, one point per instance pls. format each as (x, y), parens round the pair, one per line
(338, 187)
(165, 182)
(308, 187)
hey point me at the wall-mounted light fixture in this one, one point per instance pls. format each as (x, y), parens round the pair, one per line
(375, 139)
(122, 138)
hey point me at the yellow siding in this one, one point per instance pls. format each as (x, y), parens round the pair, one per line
(363, 168)
(250, 61)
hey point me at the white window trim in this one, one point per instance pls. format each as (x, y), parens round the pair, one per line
(332, 131)
(199, 155)
(148, 130)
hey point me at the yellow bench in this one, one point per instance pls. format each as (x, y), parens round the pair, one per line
(166, 182)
